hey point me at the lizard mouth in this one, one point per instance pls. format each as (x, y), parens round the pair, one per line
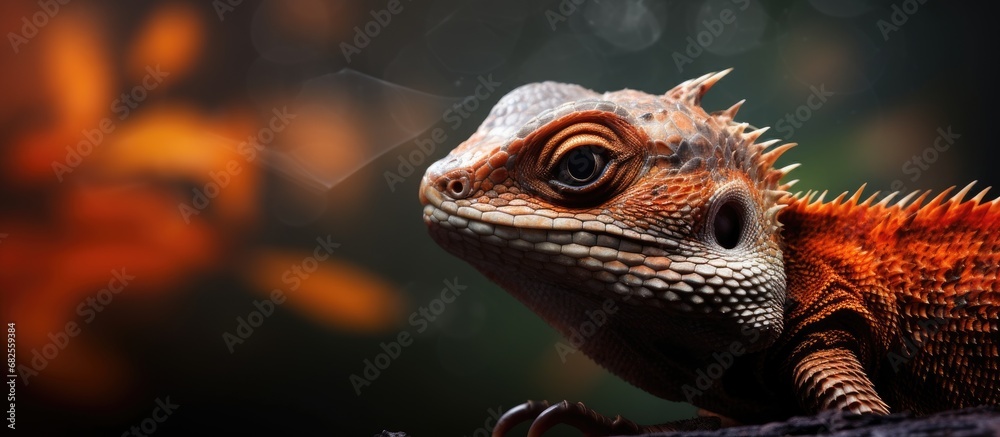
(490, 237)
(487, 218)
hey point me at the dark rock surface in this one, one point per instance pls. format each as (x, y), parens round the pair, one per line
(980, 421)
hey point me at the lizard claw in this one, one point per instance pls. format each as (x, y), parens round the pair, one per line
(586, 420)
(518, 415)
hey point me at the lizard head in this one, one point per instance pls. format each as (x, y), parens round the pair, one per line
(643, 207)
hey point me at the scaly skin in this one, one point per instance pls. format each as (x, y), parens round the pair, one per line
(733, 294)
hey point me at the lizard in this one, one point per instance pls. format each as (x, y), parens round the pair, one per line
(732, 293)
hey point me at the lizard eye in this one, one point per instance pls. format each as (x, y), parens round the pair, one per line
(582, 155)
(582, 166)
(581, 159)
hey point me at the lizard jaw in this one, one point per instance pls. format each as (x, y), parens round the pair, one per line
(600, 260)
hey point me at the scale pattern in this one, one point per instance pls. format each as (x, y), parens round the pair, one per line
(849, 304)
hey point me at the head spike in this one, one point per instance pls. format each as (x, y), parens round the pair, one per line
(752, 136)
(788, 168)
(712, 79)
(769, 158)
(691, 91)
(768, 143)
(774, 195)
(789, 184)
(729, 114)
(737, 130)
(772, 212)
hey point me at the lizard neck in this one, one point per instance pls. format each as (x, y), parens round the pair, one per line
(901, 281)
(837, 260)
(638, 343)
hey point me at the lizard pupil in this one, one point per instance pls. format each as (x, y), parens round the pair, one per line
(728, 225)
(581, 166)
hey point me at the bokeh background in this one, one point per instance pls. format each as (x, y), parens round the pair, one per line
(333, 170)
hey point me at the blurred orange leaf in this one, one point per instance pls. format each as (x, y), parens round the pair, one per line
(172, 38)
(336, 293)
(177, 143)
(78, 66)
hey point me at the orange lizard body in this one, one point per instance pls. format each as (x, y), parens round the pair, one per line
(735, 295)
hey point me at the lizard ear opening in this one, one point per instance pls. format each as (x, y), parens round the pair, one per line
(729, 219)
(728, 225)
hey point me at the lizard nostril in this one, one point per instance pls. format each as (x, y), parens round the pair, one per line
(456, 185)
(455, 188)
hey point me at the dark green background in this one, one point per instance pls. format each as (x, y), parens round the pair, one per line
(487, 351)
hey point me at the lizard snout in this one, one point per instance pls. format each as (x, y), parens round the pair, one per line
(455, 184)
